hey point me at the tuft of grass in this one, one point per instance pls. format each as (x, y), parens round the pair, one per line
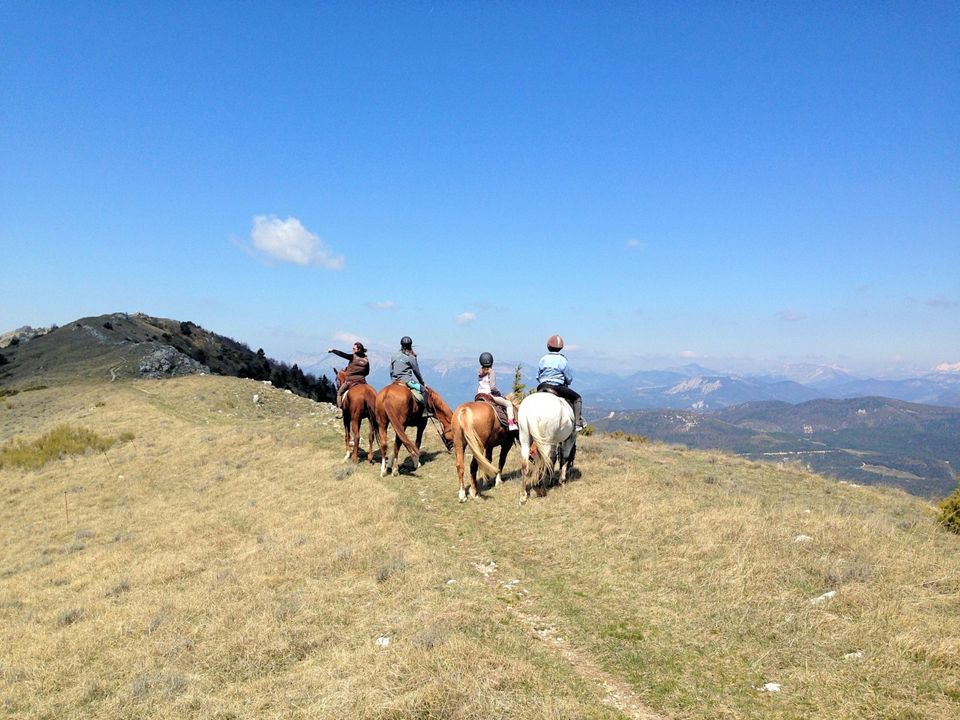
(69, 617)
(390, 568)
(119, 588)
(60, 442)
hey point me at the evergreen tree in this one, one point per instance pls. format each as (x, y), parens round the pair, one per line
(519, 389)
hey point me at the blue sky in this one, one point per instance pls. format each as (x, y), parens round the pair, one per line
(735, 184)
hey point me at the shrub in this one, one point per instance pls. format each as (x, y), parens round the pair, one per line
(629, 437)
(62, 440)
(950, 512)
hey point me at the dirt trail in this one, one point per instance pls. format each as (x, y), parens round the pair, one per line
(616, 693)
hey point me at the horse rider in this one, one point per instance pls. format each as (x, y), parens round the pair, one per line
(405, 369)
(355, 372)
(553, 375)
(487, 385)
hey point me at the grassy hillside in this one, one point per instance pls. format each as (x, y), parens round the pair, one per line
(214, 559)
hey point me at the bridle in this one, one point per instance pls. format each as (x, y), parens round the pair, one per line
(446, 445)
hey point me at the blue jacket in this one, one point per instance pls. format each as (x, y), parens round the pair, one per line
(553, 369)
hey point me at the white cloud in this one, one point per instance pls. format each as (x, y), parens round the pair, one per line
(634, 243)
(289, 241)
(791, 315)
(349, 337)
(465, 318)
(688, 354)
(948, 367)
(382, 305)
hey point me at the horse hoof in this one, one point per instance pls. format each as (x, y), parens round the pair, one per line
(499, 480)
(463, 495)
(346, 457)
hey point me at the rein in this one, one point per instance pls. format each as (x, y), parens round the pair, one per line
(436, 427)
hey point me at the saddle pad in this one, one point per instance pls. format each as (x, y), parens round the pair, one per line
(500, 410)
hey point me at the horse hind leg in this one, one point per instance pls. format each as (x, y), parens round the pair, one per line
(370, 441)
(346, 435)
(355, 428)
(395, 457)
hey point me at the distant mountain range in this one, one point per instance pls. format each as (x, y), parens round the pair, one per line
(869, 440)
(691, 387)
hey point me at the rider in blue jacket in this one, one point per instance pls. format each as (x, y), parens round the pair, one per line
(553, 373)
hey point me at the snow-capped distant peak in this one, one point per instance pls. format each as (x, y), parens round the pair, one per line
(947, 368)
(700, 384)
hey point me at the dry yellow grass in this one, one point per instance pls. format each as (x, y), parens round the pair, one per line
(225, 564)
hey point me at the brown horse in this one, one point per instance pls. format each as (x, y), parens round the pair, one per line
(475, 425)
(359, 402)
(397, 406)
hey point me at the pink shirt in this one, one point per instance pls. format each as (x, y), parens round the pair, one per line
(486, 383)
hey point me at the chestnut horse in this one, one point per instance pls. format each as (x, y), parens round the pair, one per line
(548, 421)
(475, 425)
(397, 406)
(359, 402)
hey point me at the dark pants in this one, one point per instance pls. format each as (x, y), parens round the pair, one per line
(571, 396)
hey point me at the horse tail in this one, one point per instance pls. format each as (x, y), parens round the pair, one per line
(393, 417)
(543, 471)
(476, 447)
(370, 410)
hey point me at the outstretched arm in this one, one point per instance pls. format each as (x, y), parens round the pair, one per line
(340, 353)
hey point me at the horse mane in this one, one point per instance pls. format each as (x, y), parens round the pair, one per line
(439, 403)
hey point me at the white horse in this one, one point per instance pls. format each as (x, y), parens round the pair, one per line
(548, 421)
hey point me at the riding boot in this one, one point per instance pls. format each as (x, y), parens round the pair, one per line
(578, 411)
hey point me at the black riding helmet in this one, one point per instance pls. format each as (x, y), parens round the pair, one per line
(486, 360)
(406, 343)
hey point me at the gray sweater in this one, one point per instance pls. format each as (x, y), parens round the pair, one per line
(404, 368)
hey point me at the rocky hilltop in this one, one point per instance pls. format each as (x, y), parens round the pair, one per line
(122, 346)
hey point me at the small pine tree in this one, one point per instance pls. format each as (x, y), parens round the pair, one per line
(519, 389)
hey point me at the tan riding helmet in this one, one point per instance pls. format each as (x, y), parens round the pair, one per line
(554, 343)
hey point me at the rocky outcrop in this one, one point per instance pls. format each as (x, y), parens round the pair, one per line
(169, 362)
(21, 334)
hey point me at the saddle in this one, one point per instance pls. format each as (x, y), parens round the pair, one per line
(499, 409)
(420, 397)
(551, 389)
